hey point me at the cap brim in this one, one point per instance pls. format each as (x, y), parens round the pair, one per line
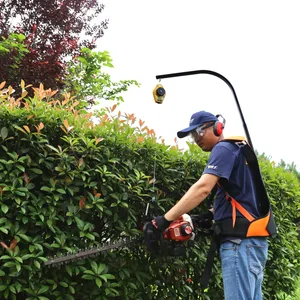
(184, 132)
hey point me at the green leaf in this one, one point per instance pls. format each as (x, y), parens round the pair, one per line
(72, 290)
(21, 168)
(27, 256)
(56, 197)
(12, 289)
(107, 276)
(24, 237)
(36, 171)
(25, 220)
(101, 268)
(71, 191)
(94, 267)
(22, 194)
(90, 236)
(4, 208)
(132, 285)
(4, 133)
(121, 274)
(69, 270)
(3, 287)
(2, 273)
(41, 258)
(79, 222)
(90, 272)
(123, 204)
(88, 277)
(46, 189)
(53, 148)
(23, 158)
(63, 284)
(20, 129)
(49, 223)
(18, 287)
(9, 264)
(98, 282)
(19, 259)
(18, 267)
(4, 148)
(37, 264)
(5, 257)
(61, 191)
(30, 186)
(43, 289)
(4, 230)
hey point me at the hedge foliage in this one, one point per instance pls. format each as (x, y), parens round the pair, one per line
(67, 183)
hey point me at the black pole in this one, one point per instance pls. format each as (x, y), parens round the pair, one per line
(224, 79)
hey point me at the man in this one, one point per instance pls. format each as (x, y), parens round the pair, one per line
(242, 259)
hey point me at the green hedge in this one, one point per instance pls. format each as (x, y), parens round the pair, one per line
(67, 184)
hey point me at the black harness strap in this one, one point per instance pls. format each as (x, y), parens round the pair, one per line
(213, 249)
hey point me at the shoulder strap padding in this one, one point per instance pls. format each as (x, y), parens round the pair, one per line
(234, 138)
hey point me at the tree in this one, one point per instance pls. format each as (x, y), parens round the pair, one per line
(86, 79)
(13, 50)
(55, 31)
(290, 168)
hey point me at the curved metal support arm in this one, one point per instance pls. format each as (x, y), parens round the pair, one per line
(226, 81)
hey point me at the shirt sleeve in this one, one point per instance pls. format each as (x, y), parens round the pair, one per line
(220, 162)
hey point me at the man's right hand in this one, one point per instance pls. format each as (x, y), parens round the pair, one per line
(161, 223)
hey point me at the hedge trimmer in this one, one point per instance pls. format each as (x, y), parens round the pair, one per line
(92, 252)
(173, 241)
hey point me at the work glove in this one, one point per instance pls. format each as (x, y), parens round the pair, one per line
(153, 233)
(161, 223)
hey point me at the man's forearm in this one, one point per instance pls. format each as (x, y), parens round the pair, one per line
(189, 201)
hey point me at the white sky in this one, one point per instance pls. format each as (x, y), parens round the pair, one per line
(255, 45)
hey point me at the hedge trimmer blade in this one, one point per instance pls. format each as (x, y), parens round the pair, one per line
(92, 252)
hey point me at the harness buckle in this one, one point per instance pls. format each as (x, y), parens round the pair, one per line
(241, 143)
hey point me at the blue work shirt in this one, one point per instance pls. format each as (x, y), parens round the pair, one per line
(228, 162)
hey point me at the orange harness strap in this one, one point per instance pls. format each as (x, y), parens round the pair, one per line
(237, 206)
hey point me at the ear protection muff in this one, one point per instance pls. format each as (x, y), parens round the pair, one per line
(219, 125)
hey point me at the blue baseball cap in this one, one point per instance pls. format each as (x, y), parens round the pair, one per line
(197, 119)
